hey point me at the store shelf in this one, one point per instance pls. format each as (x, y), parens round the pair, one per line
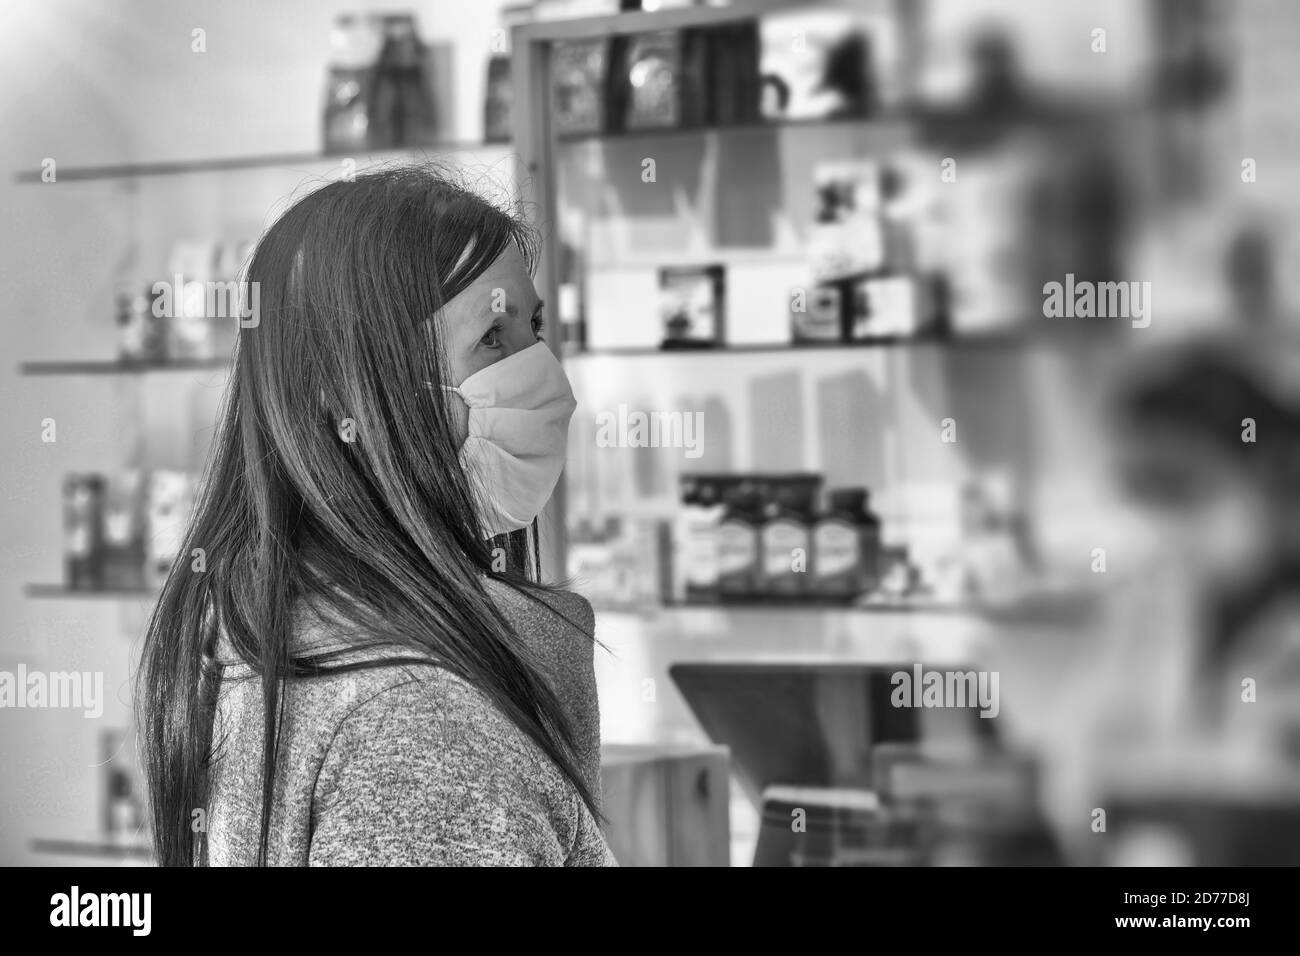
(929, 124)
(61, 591)
(890, 117)
(94, 847)
(233, 163)
(1060, 607)
(1010, 340)
(672, 18)
(113, 367)
(1024, 339)
(805, 606)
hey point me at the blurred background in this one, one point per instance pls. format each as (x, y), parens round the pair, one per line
(953, 338)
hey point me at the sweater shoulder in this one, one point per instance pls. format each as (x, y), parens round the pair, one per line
(430, 771)
(388, 762)
(400, 709)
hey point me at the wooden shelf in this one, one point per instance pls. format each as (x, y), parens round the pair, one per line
(114, 367)
(233, 163)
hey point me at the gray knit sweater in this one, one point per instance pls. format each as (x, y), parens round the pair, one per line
(407, 764)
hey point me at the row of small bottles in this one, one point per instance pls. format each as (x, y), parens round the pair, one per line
(755, 537)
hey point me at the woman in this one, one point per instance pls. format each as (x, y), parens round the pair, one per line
(352, 662)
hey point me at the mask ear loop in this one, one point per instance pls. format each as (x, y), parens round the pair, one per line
(454, 389)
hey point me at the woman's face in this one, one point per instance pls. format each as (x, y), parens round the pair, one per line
(498, 315)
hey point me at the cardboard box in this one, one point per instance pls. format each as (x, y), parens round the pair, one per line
(667, 805)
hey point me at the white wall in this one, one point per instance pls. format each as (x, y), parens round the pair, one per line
(91, 83)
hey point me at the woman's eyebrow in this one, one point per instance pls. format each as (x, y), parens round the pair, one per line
(512, 310)
(475, 327)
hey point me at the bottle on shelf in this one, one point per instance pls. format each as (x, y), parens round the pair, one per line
(738, 544)
(701, 517)
(786, 537)
(846, 547)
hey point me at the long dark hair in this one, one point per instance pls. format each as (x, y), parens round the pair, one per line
(334, 480)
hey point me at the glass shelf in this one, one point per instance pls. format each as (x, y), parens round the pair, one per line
(60, 591)
(1008, 340)
(93, 846)
(1047, 608)
(114, 367)
(919, 606)
(232, 163)
(883, 117)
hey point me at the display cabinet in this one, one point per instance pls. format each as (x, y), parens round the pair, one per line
(788, 259)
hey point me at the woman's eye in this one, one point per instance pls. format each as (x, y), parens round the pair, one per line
(539, 326)
(492, 338)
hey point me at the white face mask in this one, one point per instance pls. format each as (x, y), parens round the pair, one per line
(519, 411)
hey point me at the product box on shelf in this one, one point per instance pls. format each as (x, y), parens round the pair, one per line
(168, 512)
(616, 563)
(194, 312)
(192, 267)
(580, 76)
(668, 805)
(646, 89)
(721, 65)
(83, 512)
(141, 335)
(232, 262)
(692, 305)
(817, 314)
(876, 276)
(497, 100)
(846, 239)
(705, 76)
(883, 307)
(824, 64)
(122, 810)
(123, 530)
